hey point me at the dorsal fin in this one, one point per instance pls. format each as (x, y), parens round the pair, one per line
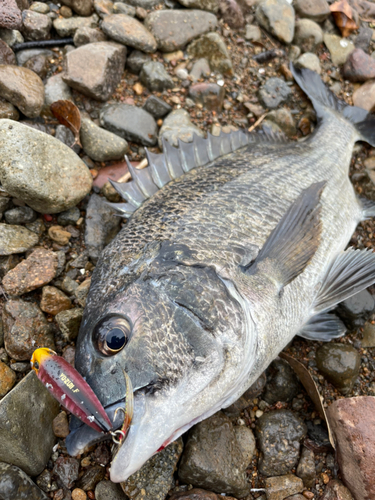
(174, 162)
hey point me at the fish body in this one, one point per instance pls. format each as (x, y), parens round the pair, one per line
(217, 271)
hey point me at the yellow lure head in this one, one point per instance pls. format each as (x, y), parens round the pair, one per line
(39, 356)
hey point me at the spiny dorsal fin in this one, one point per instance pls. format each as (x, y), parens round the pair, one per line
(174, 162)
(324, 327)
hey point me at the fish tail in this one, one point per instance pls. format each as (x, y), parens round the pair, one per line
(322, 98)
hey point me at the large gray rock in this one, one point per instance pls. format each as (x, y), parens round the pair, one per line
(130, 122)
(99, 144)
(26, 415)
(277, 17)
(177, 125)
(16, 239)
(95, 69)
(40, 170)
(23, 88)
(67, 27)
(16, 485)
(174, 29)
(128, 31)
(36, 26)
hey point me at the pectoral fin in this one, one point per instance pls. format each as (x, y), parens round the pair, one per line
(324, 327)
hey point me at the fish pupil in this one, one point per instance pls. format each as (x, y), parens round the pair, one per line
(115, 339)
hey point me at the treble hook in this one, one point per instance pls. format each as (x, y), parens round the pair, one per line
(119, 435)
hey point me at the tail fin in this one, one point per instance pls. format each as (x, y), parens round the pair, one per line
(322, 98)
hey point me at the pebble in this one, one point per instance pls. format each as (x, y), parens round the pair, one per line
(364, 96)
(68, 27)
(66, 471)
(340, 364)
(95, 69)
(106, 490)
(177, 125)
(7, 110)
(280, 487)
(316, 10)
(284, 119)
(277, 17)
(99, 144)
(359, 66)
(130, 122)
(352, 422)
(91, 478)
(274, 92)
(68, 217)
(6, 264)
(25, 329)
(363, 39)
(154, 76)
(339, 48)
(60, 425)
(307, 35)
(7, 379)
(155, 477)
(6, 54)
(16, 239)
(20, 215)
(23, 88)
(87, 35)
(39, 65)
(103, 7)
(36, 26)
(335, 490)
(213, 458)
(40, 7)
(278, 434)
(123, 8)
(20, 367)
(56, 89)
(59, 235)
(212, 46)
(232, 14)
(24, 55)
(306, 468)
(368, 335)
(69, 322)
(15, 484)
(200, 69)
(37, 227)
(44, 481)
(136, 60)
(11, 37)
(128, 31)
(65, 11)
(210, 5)
(253, 33)
(357, 309)
(310, 61)
(78, 494)
(209, 95)
(54, 300)
(194, 494)
(156, 107)
(26, 436)
(174, 29)
(10, 15)
(282, 383)
(246, 441)
(82, 291)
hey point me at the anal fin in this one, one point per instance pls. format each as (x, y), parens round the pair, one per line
(324, 327)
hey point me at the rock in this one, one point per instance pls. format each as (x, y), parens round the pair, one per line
(95, 69)
(6, 264)
(78, 494)
(23, 88)
(26, 415)
(106, 490)
(246, 399)
(24, 55)
(357, 309)
(56, 89)
(210, 5)
(309, 61)
(363, 39)
(156, 107)
(128, 31)
(253, 33)
(280, 487)
(66, 136)
(80, 261)
(335, 490)
(210, 95)
(200, 69)
(7, 379)
(87, 35)
(279, 433)
(212, 47)
(39, 65)
(81, 7)
(6, 54)
(277, 17)
(10, 15)
(66, 470)
(25, 328)
(69, 322)
(232, 14)
(282, 383)
(54, 300)
(316, 10)
(99, 144)
(40, 7)
(103, 7)
(274, 92)
(284, 120)
(307, 35)
(8, 111)
(60, 425)
(11, 37)
(154, 76)
(174, 29)
(44, 481)
(15, 484)
(65, 11)
(130, 122)
(368, 335)
(20, 215)
(45, 173)
(213, 458)
(359, 66)
(340, 364)
(364, 96)
(16, 239)
(177, 125)
(68, 217)
(36, 26)
(123, 8)
(59, 235)
(194, 494)
(136, 60)
(68, 27)
(306, 468)
(246, 441)
(91, 477)
(339, 48)
(82, 291)
(37, 270)
(352, 422)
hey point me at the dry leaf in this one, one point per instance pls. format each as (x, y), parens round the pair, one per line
(68, 114)
(311, 389)
(344, 17)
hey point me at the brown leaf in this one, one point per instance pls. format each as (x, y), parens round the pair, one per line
(344, 17)
(68, 114)
(311, 389)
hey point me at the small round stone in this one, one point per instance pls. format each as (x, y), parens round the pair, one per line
(78, 494)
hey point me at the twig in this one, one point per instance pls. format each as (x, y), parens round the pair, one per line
(259, 120)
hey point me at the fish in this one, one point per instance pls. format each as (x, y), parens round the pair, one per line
(233, 246)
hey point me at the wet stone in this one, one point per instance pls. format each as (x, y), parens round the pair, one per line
(309, 61)
(15, 484)
(212, 46)
(35, 271)
(56, 89)
(123, 8)
(368, 335)
(66, 471)
(177, 125)
(20, 215)
(278, 434)
(200, 69)
(25, 329)
(364, 96)
(277, 17)
(335, 490)
(16, 239)
(7, 55)
(36, 26)
(154, 76)
(213, 458)
(91, 478)
(99, 144)
(54, 300)
(60, 425)
(194, 494)
(307, 35)
(340, 364)
(359, 66)
(39, 65)
(11, 37)
(339, 48)
(274, 92)
(316, 10)
(88, 35)
(7, 379)
(155, 477)
(44, 481)
(23, 88)
(130, 122)
(68, 27)
(210, 95)
(106, 490)
(280, 487)
(174, 29)
(82, 292)
(306, 468)
(10, 15)
(26, 415)
(318, 433)
(357, 309)
(128, 31)
(7, 110)
(69, 322)
(156, 107)
(282, 383)
(246, 399)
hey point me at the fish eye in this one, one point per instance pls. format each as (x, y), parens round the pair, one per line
(112, 334)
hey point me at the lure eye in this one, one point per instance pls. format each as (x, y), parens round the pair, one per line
(112, 334)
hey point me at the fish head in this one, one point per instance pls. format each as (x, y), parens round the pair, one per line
(177, 332)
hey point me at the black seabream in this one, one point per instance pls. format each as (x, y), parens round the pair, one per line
(234, 245)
